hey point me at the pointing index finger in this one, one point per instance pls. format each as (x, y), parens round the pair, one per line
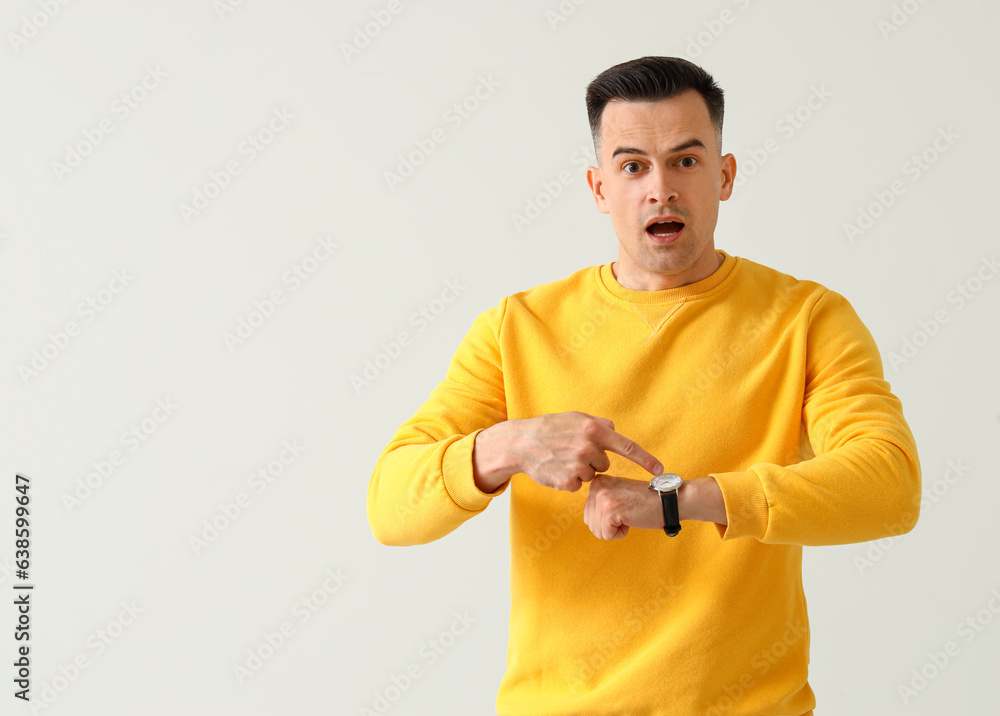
(618, 443)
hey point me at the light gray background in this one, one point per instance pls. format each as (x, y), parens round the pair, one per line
(162, 337)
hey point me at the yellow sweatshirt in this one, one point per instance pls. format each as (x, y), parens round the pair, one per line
(770, 384)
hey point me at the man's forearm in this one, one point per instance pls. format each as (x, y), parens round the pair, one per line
(701, 499)
(492, 457)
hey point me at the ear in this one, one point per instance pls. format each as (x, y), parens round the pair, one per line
(596, 183)
(728, 176)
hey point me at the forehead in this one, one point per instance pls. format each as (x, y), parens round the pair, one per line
(656, 122)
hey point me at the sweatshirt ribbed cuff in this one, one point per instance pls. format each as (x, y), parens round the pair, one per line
(459, 479)
(746, 505)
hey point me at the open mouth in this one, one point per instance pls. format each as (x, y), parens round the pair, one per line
(664, 229)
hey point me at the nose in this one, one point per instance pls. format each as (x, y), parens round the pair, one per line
(661, 187)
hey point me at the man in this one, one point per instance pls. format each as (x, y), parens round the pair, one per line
(765, 393)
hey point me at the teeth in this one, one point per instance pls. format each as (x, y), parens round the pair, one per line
(660, 233)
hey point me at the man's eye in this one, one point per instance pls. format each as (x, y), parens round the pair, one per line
(691, 158)
(630, 164)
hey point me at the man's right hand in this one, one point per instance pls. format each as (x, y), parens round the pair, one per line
(557, 450)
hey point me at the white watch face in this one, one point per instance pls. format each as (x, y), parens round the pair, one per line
(665, 482)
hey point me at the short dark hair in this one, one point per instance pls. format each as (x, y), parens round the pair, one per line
(651, 79)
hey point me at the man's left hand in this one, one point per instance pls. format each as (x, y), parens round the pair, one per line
(616, 503)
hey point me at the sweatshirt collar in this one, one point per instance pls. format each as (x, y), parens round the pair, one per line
(608, 283)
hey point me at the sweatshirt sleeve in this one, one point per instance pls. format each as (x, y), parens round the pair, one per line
(423, 486)
(864, 481)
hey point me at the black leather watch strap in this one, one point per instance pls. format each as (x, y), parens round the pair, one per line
(671, 516)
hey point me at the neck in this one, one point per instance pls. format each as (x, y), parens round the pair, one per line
(656, 282)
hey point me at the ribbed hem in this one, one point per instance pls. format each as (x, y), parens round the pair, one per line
(459, 478)
(609, 284)
(746, 505)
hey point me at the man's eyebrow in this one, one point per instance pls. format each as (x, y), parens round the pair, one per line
(679, 148)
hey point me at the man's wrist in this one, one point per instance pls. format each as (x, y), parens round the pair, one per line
(700, 498)
(492, 458)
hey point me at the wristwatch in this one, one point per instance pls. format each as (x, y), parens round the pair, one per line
(668, 484)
